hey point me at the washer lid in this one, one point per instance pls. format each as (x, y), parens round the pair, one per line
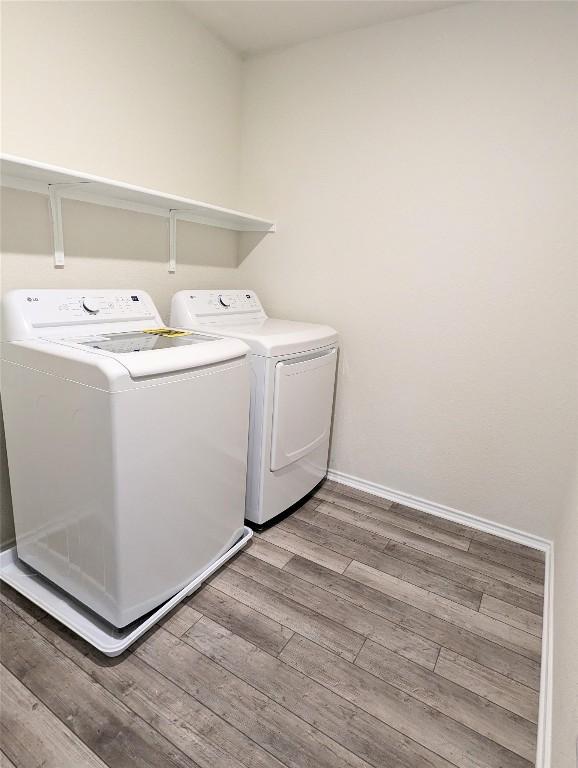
(158, 351)
(142, 341)
(272, 338)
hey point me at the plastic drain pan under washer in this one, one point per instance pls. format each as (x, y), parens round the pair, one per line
(83, 622)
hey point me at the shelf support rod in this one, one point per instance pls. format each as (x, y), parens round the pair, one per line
(55, 194)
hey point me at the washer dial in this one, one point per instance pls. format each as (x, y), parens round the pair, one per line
(92, 306)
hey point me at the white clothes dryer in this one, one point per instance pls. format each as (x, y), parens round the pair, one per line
(293, 369)
(127, 446)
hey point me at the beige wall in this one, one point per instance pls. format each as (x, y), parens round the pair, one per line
(565, 715)
(134, 91)
(422, 174)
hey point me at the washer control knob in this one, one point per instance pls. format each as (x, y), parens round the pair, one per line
(92, 306)
(222, 302)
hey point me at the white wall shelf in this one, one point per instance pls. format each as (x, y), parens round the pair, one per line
(59, 183)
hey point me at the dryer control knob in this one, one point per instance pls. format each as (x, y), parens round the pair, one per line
(223, 303)
(91, 305)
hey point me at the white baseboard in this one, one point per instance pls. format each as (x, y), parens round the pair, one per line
(543, 752)
(544, 746)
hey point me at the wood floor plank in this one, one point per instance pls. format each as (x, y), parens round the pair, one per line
(33, 736)
(385, 562)
(438, 522)
(299, 546)
(306, 512)
(481, 715)
(289, 738)
(181, 618)
(491, 685)
(512, 560)
(447, 525)
(435, 731)
(100, 720)
(498, 542)
(470, 579)
(389, 515)
(516, 617)
(468, 583)
(350, 532)
(486, 626)
(188, 724)
(381, 528)
(5, 761)
(505, 545)
(438, 563)
(354, 493)
(451, 554)
(26, 609)
(363, 622)
(491, 539)
(371, 740)
(426, 625)
(344, 546)
(270, 553)
(297, 617)
(255, 627)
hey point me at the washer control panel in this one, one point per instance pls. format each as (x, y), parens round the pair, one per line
(95, 307)
(34, 310)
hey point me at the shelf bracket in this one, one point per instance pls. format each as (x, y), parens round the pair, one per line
(55, 194)
(173, 215)
(180, 214)
(56, 216)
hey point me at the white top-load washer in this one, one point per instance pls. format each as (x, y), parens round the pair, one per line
(292, 388)
(127, 446)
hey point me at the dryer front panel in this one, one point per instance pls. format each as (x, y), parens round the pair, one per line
(302, 406)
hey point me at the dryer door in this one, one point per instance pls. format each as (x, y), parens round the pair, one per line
(302, 407)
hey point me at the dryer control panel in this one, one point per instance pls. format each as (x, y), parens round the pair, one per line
(47, 312)
(213, 307)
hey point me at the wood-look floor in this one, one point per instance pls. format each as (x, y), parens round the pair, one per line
(355, 633)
